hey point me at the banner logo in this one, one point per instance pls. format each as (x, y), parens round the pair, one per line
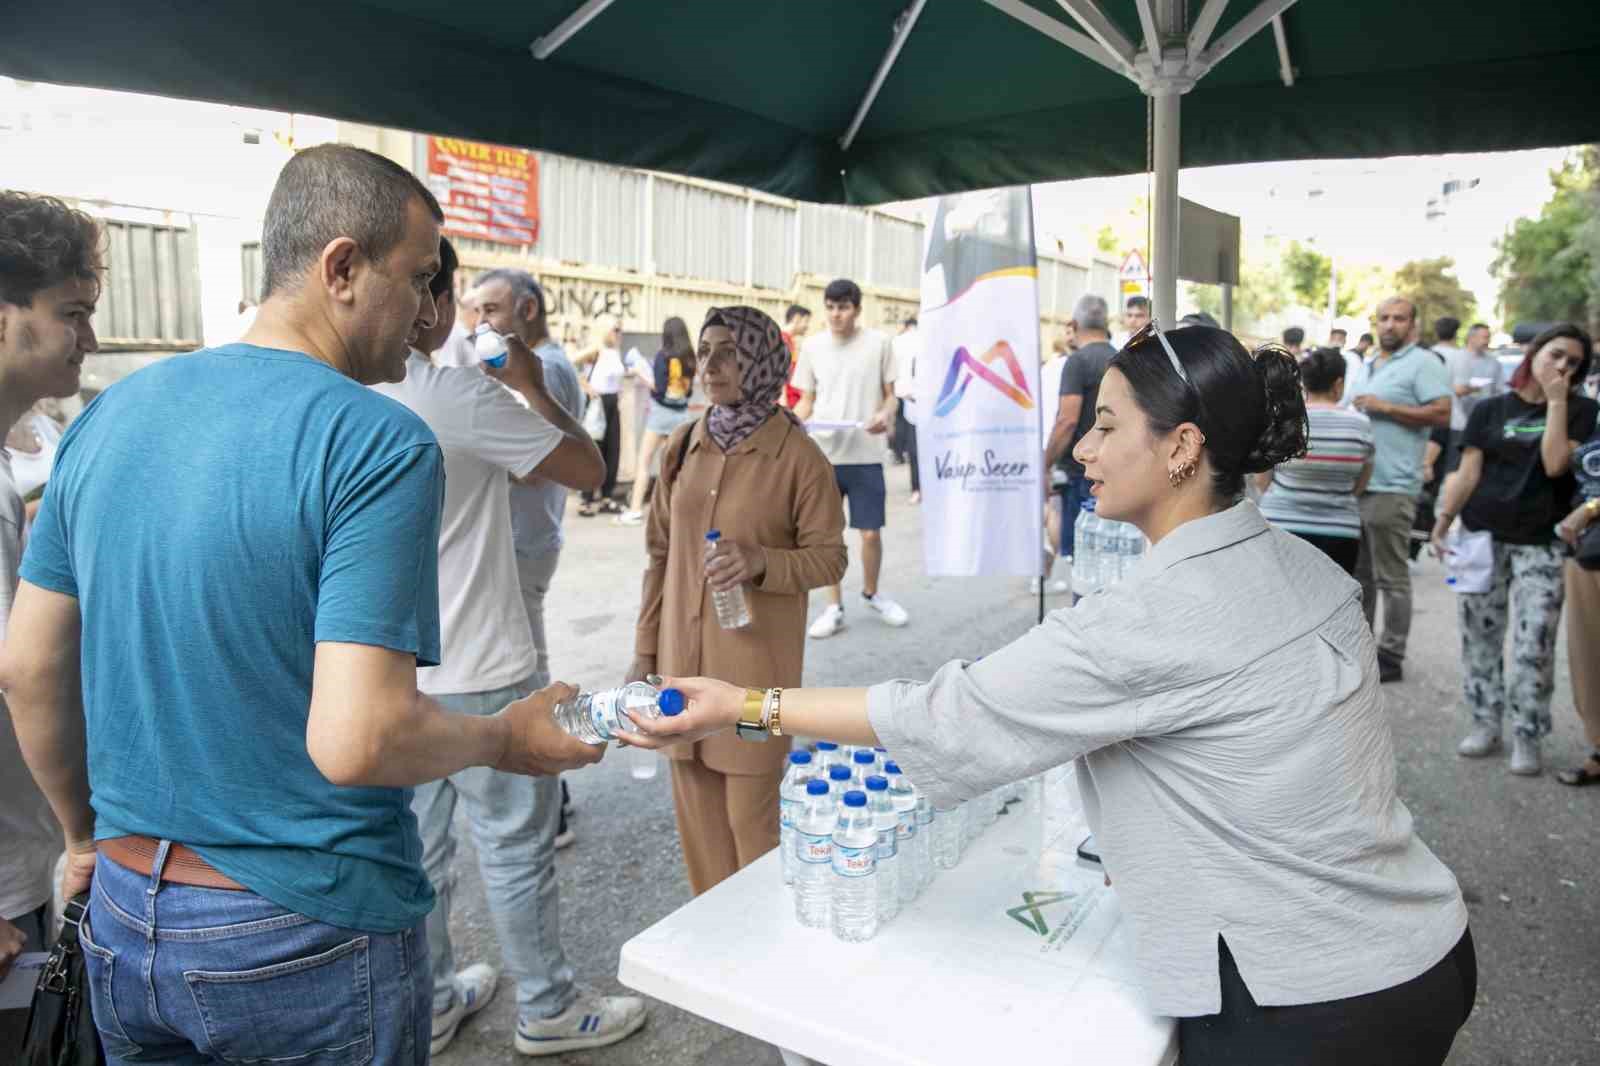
(1032, 906)
(964, 368)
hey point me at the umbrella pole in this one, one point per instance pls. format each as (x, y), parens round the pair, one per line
(1164, 255)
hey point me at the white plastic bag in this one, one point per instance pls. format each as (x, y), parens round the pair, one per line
(1471, 559)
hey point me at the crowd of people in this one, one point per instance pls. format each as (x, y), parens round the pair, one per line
(250, 699)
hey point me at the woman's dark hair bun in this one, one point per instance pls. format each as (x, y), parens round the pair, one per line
(1284, 435)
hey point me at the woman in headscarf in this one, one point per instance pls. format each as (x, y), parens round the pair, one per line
(748, 470)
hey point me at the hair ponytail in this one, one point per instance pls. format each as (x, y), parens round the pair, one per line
(1283, 437)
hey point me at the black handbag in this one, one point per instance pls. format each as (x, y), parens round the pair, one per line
(61, 1028)
(1587, 553)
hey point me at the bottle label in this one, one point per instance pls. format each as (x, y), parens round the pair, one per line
(603, 712)
(888, 846)
(907, 827)
(787, 809)
(813, 848)
(853, 862)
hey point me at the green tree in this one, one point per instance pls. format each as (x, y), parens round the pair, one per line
(1549, 266)
(1263, 288)
(1309, 271)
(1436, 292)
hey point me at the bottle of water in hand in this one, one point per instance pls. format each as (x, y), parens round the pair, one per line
(854, 904)
(887, 823)
(813, 855)
(791, 800)
(596, 717)
(732, 605)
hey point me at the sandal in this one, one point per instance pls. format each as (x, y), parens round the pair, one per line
(586, 510)
(1587, 774)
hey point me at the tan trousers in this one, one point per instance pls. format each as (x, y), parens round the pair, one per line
(1383, 566)
(1583, 645)
(725, 821)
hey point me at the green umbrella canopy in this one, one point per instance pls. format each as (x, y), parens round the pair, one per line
(759, 92)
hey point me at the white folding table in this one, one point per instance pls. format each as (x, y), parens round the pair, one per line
(1000, 960)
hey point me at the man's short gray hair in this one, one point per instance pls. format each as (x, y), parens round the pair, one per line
(1091, 312)
(521, 282)
(333, 191)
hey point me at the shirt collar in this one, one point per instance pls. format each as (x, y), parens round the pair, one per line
(1202, 536)
(768, 440)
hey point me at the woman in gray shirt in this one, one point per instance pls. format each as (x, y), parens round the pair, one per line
(1234, 757)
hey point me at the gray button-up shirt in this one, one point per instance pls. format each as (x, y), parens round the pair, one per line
(1235, 762)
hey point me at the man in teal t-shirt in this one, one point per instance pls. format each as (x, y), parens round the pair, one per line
(1405, 390)
(230, 585)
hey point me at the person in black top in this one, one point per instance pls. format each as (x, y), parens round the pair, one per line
(1515, 481)
(673, 370)
(1080, 384)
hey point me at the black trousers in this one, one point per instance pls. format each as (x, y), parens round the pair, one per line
(610, 447)
(1411, 1024)
(905, 443)
(1342, 550)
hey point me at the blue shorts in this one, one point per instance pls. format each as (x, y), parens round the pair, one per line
(861, 484)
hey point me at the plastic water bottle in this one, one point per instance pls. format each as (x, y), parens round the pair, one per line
(887, 823)
(949, 828)
(1087, 549)
(863, 764)
(733, 606)
(924, 847)
(827, 755)
(813, 855)
(903, 795)
(595, 717)
(855, 885)
(489, 346)
(791, 798)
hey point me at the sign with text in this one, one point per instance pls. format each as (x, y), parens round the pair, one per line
(980, 444)
(487, 191)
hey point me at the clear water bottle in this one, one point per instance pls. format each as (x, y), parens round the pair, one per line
(854, 904)
(863, 764)
(827, 755)
(813, 855)
(924, 847)
(489, 346)
(733, 606)
(903, 794)
(596, 717)
(887, 823)
(1133, 547)
(1087, 569)
(839, 782)
(949, 829)
(791, 798)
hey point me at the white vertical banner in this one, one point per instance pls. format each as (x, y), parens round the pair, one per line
(979, 436)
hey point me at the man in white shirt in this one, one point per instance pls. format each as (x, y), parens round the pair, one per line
(47, 299)
(846, 382)
(456, 349)
(1355, 362)
(487, 661)
(907, 347)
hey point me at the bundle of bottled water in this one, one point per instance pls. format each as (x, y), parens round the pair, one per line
(858, 840)
(1103, 551)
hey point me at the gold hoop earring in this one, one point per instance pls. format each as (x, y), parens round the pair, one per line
(1181, 474)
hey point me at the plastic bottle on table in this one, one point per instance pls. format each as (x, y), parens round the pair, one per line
(1087, 567)
(827, 755)
(813, 855)
(903, 794)
(732, 605)
(1132, 547)
(791, 798)
(595, 717)
(863, 764)
(887, 823)
(949, 825)
(839, 782)
(854, 903)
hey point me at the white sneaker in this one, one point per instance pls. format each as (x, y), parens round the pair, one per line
(829, 622)
(592, 1021)
(475, 987)
(1060, 586)
(891, 612)
(629, 518)
(1033, 586)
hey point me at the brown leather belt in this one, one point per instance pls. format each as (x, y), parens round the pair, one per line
(183, 866)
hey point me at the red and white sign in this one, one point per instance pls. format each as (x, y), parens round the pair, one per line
(1135, 276)
(487, 191)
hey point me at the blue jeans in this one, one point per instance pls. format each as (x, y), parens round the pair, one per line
(202, 975)
(513, 821)
(1073, 493)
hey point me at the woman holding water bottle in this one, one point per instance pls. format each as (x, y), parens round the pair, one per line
(748, 473)
(1222, 706)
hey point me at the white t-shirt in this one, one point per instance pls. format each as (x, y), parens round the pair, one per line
(907, 346)
(611, 366)
(484, 434)
(32, 469)
(30, 839)
(848, 380)
(457, 349)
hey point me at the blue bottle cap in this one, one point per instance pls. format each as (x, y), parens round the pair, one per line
(891, 767)
(670, 702)
(827, 745)
(838, 773)
(855, 798)
(816, 787)
(883, 750)
(865, 758)
(714, 534)
(876, 783)
(799, 758)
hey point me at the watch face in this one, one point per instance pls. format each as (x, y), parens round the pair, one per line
(1586, 463)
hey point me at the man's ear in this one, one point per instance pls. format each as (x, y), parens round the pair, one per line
(336, 269)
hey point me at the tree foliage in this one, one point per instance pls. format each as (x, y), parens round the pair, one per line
(1436, 291)
(1549, 266)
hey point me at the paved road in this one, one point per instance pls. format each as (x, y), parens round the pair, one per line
(1527, 852)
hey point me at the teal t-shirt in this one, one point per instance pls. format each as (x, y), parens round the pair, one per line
(216, 515)
(1414, 377)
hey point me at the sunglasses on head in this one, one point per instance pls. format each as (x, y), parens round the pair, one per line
(1152, 328)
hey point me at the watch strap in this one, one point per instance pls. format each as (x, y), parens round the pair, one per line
(752, 716)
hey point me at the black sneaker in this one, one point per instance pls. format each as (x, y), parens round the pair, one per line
(1389, 670)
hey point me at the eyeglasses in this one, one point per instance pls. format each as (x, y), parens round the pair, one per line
(1152, 328)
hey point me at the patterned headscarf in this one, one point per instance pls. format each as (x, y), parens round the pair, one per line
(763, 369)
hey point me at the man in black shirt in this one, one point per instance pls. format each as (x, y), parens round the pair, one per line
(1080, 383)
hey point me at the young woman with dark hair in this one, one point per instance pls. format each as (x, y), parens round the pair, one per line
(673, 370)
(1515, 482)
(1233, 752)
(1317, 496)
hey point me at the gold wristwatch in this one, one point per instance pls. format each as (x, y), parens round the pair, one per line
(752, 723)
